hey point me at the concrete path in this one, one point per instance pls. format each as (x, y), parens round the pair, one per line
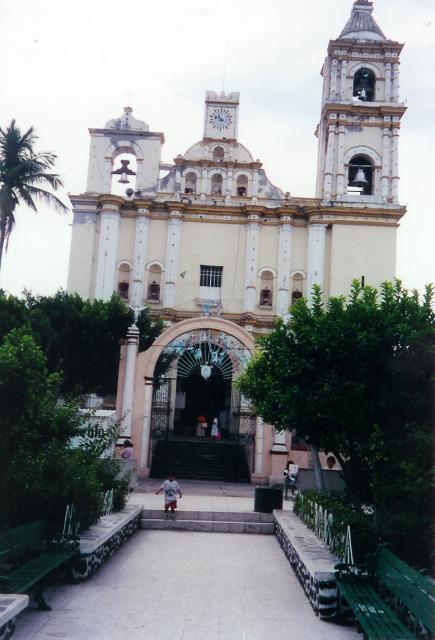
(199, 495)
(171, 585)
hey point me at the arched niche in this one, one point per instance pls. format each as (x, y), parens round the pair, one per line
(123, 287)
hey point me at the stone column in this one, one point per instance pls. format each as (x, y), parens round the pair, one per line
(251, 264)
(229, 185)
(172, 253)
(343, 80)
(258, 468)
(285, 232)
(203, 186)
(396, 85)
(333, 85)
(146, 431)
(256, 166)
(388, 82)
(140, 175)
(128, 390)
(107, 249)
(139, 258)
(316, 257)
(385, 176)
(341, 176)
(329, 162)
(395, 165)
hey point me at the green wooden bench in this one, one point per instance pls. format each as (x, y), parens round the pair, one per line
(44, 556)
(356, 584)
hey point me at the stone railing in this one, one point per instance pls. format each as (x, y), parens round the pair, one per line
(100, 541)
(10, 606)
(312, 562)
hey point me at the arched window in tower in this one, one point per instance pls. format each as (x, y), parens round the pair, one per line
(360, 180)
(266, 289)
(124, 175)
(242, 186)
(190, 184)
(154, 282)
(216, 184)
(297, 287)
(218, 154)
(364, 85)
(124, 272)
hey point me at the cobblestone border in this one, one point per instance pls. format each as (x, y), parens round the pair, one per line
(322, 594)
(10, 605)
(88, 563)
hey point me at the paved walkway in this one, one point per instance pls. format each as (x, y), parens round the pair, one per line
(199, 495)
(171, 585)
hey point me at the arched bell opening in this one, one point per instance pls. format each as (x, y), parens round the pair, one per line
(124, 175)
(216, 184)
(190, 183)
(364, 82)
(360, 176)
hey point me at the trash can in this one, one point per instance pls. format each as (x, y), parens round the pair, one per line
(268, 498)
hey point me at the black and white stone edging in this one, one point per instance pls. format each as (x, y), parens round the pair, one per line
(100, 541)
(312, 562)
(10, 606)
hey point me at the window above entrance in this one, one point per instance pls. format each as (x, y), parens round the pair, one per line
(210, 283)
(210, 276)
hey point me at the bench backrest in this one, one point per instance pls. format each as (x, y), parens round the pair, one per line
(17, 541)
(415, 591)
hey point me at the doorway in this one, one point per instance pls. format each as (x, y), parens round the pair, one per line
(197, 396)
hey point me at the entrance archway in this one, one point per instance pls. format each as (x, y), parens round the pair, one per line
(198, 381)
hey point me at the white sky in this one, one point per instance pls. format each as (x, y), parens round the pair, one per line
(68, 66)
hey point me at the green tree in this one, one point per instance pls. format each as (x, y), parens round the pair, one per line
(356, 378)
(80, 338)
(24, 178)
(40, 470)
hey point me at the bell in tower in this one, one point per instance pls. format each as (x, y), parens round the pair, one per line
(361, 113)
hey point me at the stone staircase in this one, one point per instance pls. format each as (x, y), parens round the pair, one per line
(200, 460)
(210, 521)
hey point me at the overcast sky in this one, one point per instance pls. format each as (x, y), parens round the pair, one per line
(68, 66)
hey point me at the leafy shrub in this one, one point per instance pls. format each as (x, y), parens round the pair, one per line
(41, 472)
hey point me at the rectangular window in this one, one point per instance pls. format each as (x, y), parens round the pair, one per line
(210, 276)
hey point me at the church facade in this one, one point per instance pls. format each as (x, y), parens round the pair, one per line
(213, 248)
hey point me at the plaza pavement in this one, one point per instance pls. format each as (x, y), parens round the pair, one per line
(179, 585)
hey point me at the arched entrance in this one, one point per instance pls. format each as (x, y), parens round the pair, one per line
(193, 375)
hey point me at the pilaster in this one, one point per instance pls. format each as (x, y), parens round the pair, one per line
(251, 265)
(395, 165)
(284, 260)
(172, 254)
(385, 176)
(329, 162)
(316, 257)
(139, 258)
(107, 248)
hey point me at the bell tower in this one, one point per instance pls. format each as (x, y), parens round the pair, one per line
(359, 128)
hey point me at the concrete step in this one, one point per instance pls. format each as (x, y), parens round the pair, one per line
(214, 516)
(209, 526)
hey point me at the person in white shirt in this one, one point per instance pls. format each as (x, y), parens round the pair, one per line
(171, 488)
(291, 478)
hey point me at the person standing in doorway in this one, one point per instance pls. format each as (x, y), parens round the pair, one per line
(171, 488)
(215, 429)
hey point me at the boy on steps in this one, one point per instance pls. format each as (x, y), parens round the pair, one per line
(171, 488)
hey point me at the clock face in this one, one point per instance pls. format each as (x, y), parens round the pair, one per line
(220, 118)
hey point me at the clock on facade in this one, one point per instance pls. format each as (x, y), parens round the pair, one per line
(220, 118)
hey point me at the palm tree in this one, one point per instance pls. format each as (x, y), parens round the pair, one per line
(22, 172)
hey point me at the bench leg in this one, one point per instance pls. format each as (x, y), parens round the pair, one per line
(40, 600)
